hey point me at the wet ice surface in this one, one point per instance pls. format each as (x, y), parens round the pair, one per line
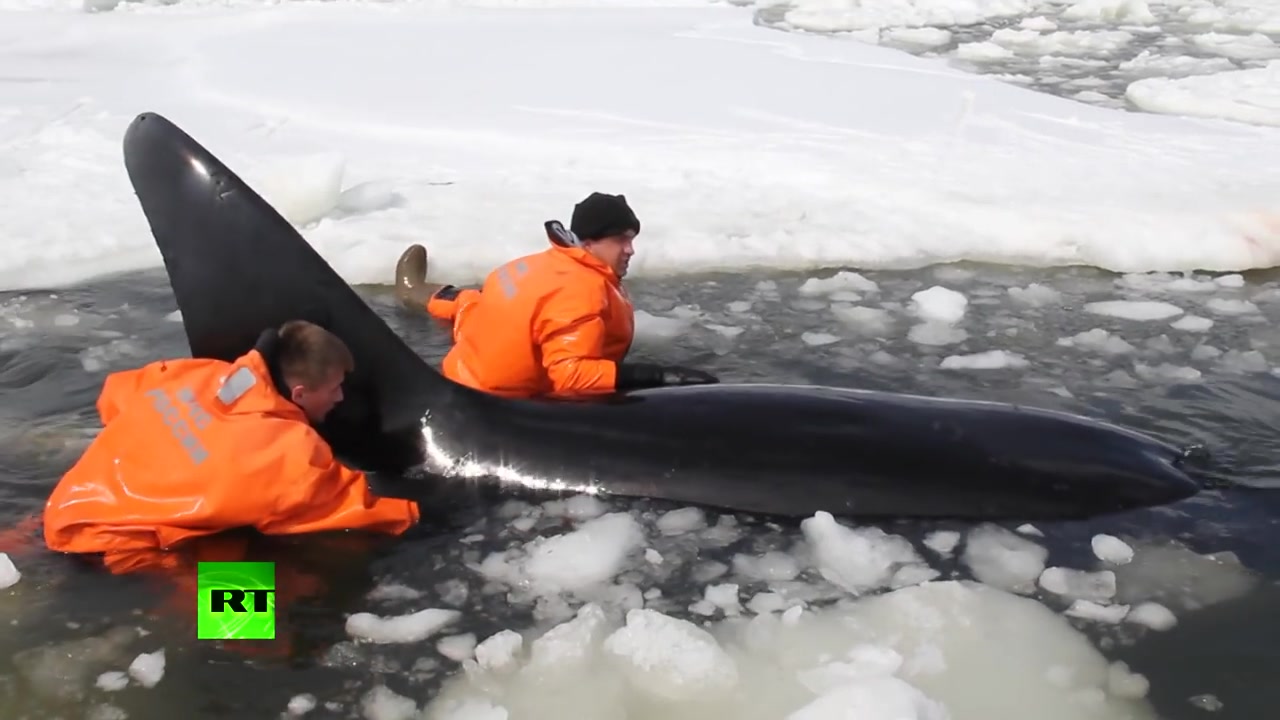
(527, 606)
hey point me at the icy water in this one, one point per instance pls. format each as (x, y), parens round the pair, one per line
(1214, 560)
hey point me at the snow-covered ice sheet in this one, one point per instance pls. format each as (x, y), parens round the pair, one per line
(376, 125)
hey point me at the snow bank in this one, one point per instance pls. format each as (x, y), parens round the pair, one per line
(925, 165)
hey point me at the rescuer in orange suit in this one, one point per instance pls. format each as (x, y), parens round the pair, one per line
(557, 323)
(192, 447)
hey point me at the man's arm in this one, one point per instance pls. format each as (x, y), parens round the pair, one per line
(570, 332)
(317, 493)
(445, 302)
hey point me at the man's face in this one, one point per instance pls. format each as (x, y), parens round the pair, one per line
(318, 401)
(614, 251)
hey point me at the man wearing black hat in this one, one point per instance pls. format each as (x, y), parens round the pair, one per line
(555, 323)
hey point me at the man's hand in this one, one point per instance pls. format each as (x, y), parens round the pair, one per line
(676, 375)
(633, 376)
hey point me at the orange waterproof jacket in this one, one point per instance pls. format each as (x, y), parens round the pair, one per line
(555, 323)
(192, 447)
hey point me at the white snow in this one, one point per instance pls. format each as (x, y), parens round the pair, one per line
(923, 164)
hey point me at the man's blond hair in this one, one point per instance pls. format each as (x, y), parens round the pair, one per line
(308, 354)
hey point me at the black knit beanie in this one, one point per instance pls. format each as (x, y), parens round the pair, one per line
(601, 215)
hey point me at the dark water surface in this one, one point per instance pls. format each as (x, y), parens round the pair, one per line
(1214, 387)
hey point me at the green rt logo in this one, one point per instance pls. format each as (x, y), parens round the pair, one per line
(236, 601)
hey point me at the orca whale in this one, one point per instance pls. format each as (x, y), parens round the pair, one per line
(236, 267)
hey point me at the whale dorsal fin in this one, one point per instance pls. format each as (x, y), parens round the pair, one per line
(237, 267)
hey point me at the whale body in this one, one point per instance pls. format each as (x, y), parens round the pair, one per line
(236, 267)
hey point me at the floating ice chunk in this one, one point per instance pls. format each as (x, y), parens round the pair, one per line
(1152, 615)
(1166, 371)
(1124, 12)
(856, 559)
(989, 360)
(1098, 340)
(148, 668)
(577, 507)
(1003, 559)
(1079, 584)
(400, 628)
(9, 575)
(569, 643)
(818, 338)
(876, 698)
(671, 658)
(1089, 610)
(499, 651)
(678, 522)
(1141, 310)
(457, 647)
(773, 566)
(393, 591)
(939, 305)
(1249, 361)
(841, 281)
(112, 681)
(383, 703)
(942, 542)
(301, 704)
(1192, 323)
(1035, 295)
(873, 322)
(1224, 306)
(655, 327)
(725, 597)
(936, 333)
(589, 555)
(1111, 549)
